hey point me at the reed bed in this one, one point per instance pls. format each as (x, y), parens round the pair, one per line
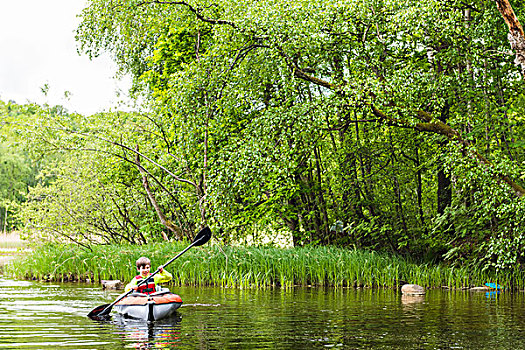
(250, 267)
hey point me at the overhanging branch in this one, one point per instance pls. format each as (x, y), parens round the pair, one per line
(438, 127)
(196, 11)
(428, 124)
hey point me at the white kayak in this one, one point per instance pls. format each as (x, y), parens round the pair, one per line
(150, 307)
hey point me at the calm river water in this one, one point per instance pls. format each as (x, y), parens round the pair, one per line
(48, 316)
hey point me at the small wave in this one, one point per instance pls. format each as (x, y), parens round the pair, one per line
(197, 304)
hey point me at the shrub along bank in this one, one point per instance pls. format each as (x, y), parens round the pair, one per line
(245, 267)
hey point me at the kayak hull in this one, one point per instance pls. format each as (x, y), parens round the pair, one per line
(151, 307)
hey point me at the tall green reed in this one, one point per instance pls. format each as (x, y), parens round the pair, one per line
(249, 267)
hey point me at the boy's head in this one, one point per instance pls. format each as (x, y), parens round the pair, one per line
(143, 265)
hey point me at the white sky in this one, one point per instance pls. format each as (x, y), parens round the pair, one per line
(37, 47)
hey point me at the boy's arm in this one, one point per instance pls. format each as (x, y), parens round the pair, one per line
(162, 277)
(131, 285)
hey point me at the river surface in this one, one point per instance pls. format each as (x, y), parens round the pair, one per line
(38, 315)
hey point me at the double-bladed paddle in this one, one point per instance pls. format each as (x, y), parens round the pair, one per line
(102, 311)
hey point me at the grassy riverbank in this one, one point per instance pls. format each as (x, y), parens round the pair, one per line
(248, 267)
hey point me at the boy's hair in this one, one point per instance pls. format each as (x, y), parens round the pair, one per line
(143, 261)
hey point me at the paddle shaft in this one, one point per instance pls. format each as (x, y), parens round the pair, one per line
(175, 257)
(103, 312)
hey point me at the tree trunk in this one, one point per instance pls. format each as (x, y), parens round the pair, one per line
(444, 191)
(293, 223)
(516, 35)
(320, 197)
(420, 191)
(5, 219)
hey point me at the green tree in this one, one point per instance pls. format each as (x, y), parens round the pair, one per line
(399, 119)
(17, 170)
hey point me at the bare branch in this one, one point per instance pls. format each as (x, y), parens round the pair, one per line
(173, 228)
(196, 11)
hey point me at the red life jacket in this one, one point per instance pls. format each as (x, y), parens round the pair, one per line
(146, 288)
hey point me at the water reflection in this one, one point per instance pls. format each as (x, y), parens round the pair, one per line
(407, 299)
(492, 294)
(48, 316)
(139, 334)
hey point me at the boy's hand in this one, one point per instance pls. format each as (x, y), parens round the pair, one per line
(161, 268)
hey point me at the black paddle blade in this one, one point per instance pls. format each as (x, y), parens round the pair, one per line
(202, 237)
(99, 313)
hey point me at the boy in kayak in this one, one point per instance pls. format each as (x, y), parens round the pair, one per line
(143, 267)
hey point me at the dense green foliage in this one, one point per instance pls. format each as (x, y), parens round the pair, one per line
(253, 267)
(18, 171)
(386, 125)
